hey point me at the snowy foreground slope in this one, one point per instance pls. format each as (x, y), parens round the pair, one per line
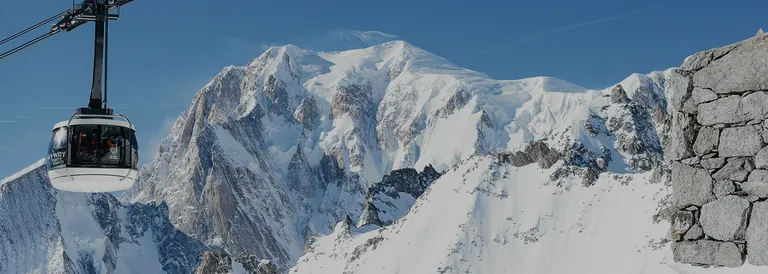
(387, 159)
(486, 216)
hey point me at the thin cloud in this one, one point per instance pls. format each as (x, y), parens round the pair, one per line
(542, 34)
(7, 122)
(54, 108)
(338, 39)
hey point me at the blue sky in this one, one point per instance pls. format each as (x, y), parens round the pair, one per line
(163, 51)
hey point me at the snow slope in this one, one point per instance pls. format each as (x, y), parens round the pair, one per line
(486, 216)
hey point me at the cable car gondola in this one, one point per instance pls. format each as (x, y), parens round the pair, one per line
(93, 153)
(94, 150)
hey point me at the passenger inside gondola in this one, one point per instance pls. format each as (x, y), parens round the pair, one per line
(86, 145)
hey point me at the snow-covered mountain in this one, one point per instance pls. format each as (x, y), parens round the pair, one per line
(274, 152)
(48, 231)
(336, 162)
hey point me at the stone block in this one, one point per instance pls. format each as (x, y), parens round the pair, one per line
(740, 141)
(691, 186)
(681, 137)
(725, 219)
(734, 170)
(743, 69)
(681, 222)
(706, 140)
(723, 188)
(708, 252)
(757, 235)
(712, 163)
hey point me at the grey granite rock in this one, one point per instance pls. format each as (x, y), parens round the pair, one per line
(700, 95)
(681, 137)
(723, 188)
(697, 61)
(691, 161)
(764, 132)
(721, 111)
(734, 109)
(761, 159)
(679, 85)
(725, 219)
(706, 140)
(681, 222)
(742, 69)
(694, 233)
(712, 163)
(691, 186)
(708, 252)
(758, 175)
(755, 188)
(757, 235)
(734, 170)
(740, 141)
(619, 96)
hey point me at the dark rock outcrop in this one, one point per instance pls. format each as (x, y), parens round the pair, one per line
(389, 199)
(619, 96)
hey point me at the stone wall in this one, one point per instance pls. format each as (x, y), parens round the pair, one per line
(718, 149)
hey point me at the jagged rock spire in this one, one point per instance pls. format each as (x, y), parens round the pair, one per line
(619, 96)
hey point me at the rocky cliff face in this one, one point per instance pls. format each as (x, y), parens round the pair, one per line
(719, 155)
(47, 231)
(386, 201)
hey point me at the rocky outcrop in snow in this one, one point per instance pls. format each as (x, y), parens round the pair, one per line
(716, 147)
(388, 200)
(219, 262)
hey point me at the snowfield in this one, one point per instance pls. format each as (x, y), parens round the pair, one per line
(484, 216)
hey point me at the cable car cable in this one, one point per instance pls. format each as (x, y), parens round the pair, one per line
(27, 49)
(27, 44)
(29, 29)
